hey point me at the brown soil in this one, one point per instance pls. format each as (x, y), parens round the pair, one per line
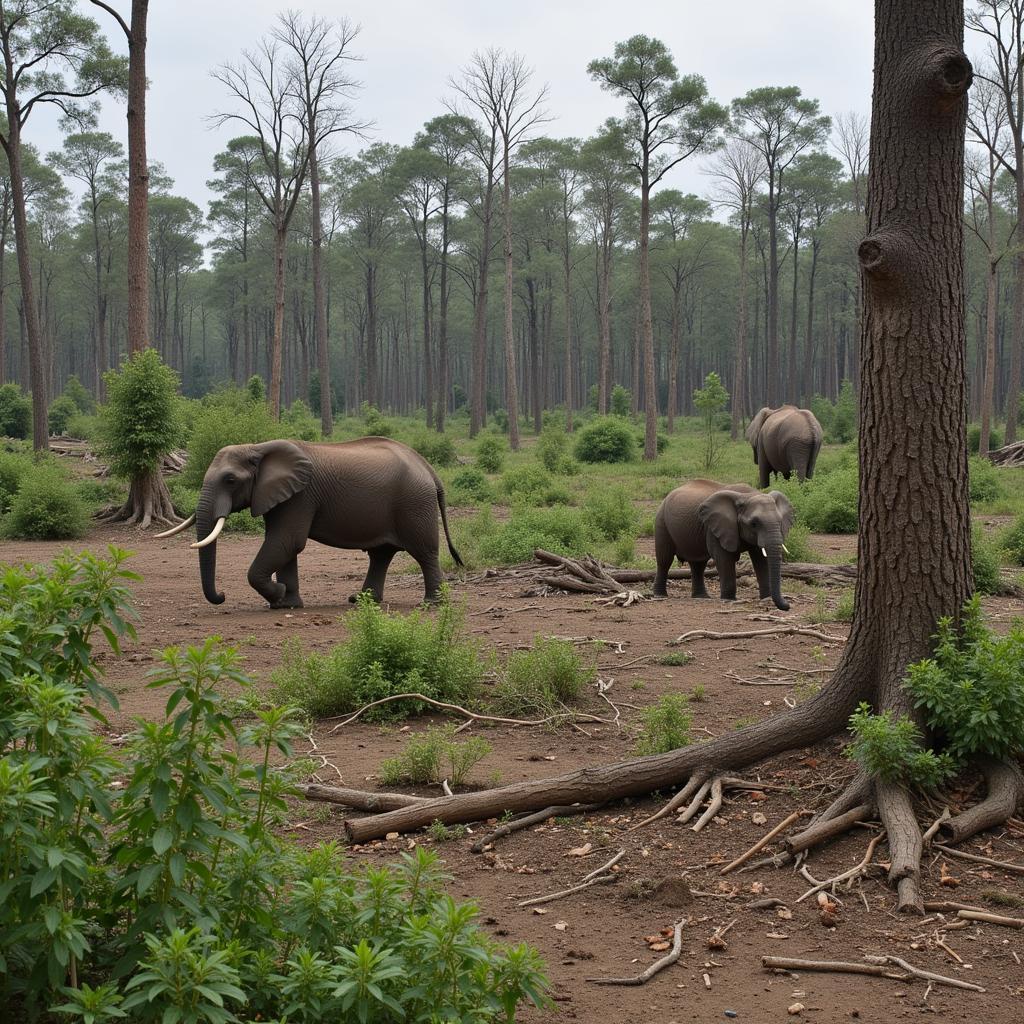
(666, 872)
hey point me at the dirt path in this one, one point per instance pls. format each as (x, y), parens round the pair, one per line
(601, 932)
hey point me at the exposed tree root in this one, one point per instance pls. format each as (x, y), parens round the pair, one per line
(846, 876)
(149, 504)
(982, 915)
(1017, 869)
(1004, 781)
(905, 845)
(751, 634)
(916, 972)
(599, 876)
(877, 966)
(826, 828)
(762, 842)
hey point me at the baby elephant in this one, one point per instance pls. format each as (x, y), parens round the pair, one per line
(704, 519)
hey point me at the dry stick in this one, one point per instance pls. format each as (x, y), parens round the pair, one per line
(526, 820)
(854, 872)
(659, 965)
(1015, 868)
(358, 798)
(605, 867)
(917, 972)
(759, 680)
(935, 826)
(945, 906)
(763, 842)
(785, 963)
(748, 634)
(472, 715)
(981, 915)
(696, 781)
(551, 897)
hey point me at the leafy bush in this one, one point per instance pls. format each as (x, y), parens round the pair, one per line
(80, 395)
(606, 440)
(972, 690)
(660, 442)
(611, 512)
(62, 411)
(985, 563)
(1011, 541)
(828, 503)
(86, 426)
(551, 448)
(843, 421)
(710, 400)
(824, 411)
(537, 681)
(490, 454)
(985, 482)
(434, 756)
(375, 422)
(15, 412)
(470, 486)
(142, 420)
(46, 507)
(437, 449)
(530, 485)
(798, 542)
(14, 467)
(621, 402)
(386, 654)
(665, 726)
(974, 438)
(565, 531)
(256, 388)
(300, 423)
(889, 748)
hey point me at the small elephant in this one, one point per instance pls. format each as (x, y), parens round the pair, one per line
(785, 440)
(704, 519)
(373, 494)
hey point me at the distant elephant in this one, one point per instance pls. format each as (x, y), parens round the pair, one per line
(372, 494)
(704, 519)
(785, 440)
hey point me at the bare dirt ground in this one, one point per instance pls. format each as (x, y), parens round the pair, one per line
(668, 872)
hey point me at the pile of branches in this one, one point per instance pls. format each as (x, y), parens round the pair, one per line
(1009, 455)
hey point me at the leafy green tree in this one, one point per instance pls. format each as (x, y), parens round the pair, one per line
(710, 401)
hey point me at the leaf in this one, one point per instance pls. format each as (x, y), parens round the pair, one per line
(163, 837)
(580, 851)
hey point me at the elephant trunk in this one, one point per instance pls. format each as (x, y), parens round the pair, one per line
(771, 544)
(206, 520)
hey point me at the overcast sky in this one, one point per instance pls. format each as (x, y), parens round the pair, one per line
(411, 47)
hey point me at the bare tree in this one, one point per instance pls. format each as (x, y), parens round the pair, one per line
(851, 143)
(320, 55)
(264, 85)
(498, 85)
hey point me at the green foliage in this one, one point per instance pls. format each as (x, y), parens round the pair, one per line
(490, 453)
(375, 422)
(676, 659)
(435, 756)
(14, 467)
(539, 680)
(985, 482)
(299, 422)
(439, 832)
(971, 691)
(46, 507)
(386, 654)
(889, 748)
(612, 513)
(62, 410)
(80, 395)
(710, 400)
(1011, 541)
(974, 438)
(226, 417)
(565, 531)
(621, 401)
(843, 421)
(824, 412)
(256, 389)
(88, 427)
(985, 563)
(828, 503)
(437, 449)
(529, 484)
(665, 726)
(607, 439)
(15, 412)
(551, 448)
(469, 486)
(798, 542)
(142, 419)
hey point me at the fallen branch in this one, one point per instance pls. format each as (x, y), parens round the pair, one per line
(854, 872)
(605, 867)
(785, 963)
(822, 830)
(917, 972)
(981, 915)
(526, 820)
(659, 965)
(963, 855)
(359, 799)
(749, 634)
(551, 897)
(763, 842)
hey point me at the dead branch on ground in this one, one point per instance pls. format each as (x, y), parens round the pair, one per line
(659, 965)
(526, 820)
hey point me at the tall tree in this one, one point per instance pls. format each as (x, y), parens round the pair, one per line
(321, 54)
(780, 124)
(52, 56)
(851, 143)
(668, 119)
(265, 87)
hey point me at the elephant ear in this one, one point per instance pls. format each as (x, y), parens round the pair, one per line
(754, 428)
(786, 513)
(283, 470)
(717, 514)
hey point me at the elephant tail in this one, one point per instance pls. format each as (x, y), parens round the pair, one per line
(444, 521)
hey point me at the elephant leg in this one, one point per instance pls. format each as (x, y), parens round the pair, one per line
(432, 576)
(760, 564)
(289, 576)
(764, 473)
(276, 556)
(664, 553)
(697, 579)
(380, 560)
(726, 563)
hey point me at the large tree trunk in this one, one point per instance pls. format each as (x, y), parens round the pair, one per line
(138, 183)
(567, 384)
(604, 299)
(1017, 337)
(323, 363)
(511, 381)
(772, 304)
(428, 359)
(792, 385)
(647, 326)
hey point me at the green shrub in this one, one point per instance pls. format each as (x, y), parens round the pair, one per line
(386, 654)
(142, 420)
(843, 425)
(798, 543)
(490, 453)
(824, 411)
(562, 530)
(87, 427)
(300, 423)
(225, 417)
(608, 439)
(1011, 541)
(437, 449)
(62, 410)
(621, 403)
(256, 388)
(46, 507)
(974, 438)
(665, 726)
(14, 467)
(660, 442)
(828, 503)
(432, 757)
(551, 448)
(985, 563)
(530, 485)
(611, 512)
(710, 400)
(971, 691)
(539, 680)
(375, 422)
(15, 412)
(469, 486)
(985, 482)
(889, 748)
(80, 395)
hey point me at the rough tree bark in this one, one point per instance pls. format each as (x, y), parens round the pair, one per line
(913, 481)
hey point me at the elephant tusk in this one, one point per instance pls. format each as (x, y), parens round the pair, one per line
(214, 534)
(784, 548)
(177, 529)
(763, 552)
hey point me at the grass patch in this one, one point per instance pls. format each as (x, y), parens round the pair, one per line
(538, 681)
(432, 757)
(665, 726)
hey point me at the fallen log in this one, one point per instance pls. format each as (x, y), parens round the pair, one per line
(1008, 455)
(358, 799)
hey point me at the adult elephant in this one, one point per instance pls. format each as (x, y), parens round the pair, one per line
(373, 494)
(704, 519)
(785, 440)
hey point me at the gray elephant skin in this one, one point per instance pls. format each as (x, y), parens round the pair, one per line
(372, 494)
(704, 519)
(785, 440)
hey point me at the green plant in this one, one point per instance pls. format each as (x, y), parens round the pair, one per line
(490, 453)
(974, 438)
(843, 421)
(843, 611)
(828, 503)
(611, 512)
(80, 395)
(14, 467)
(798, 544)
(710, 400)
(469, 486)
(537, 681)
(608, 439)
(62, 410)
(300, 423)
(985, 483)
(15, 412)
(256, 389)
(565, 531)
(676, 659)
(1011, 541)
(889, 748)
(433, 756)
(699, 694)
(621, 401)
(985, 563)
(374, 421)
(439, 832)
(387, 653)
(530, 484)
(665, 726)
(552, 447)
(971, 691)
(46, 507)
(437, 449)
